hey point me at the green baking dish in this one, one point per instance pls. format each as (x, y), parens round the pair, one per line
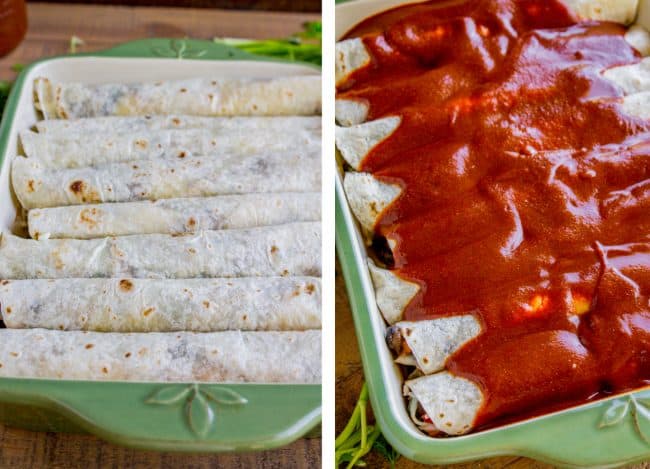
(154, 416)
(605, 433)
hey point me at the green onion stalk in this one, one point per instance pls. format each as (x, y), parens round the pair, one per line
(304, 46)
(358, 438)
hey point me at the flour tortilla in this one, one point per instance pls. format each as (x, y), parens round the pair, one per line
(433, 341)
(619, 11)
(286, 250)
(117, 124)
(219, 357)
(368, 197)
(392, 293)
(298, 95)
(350, 112)
(77, 150)
(631, 79)
(174, 216)
(639, 38)
(148, 305)
(37, 186)
(356, 141)
(351, 55)
(451, 402)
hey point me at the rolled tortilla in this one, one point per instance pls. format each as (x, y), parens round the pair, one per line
(119, 125)
(392, 293)
(619, 11)
(631, 78)
(637, 104)
(368, 197)
(79, 150)
(37, 186)
(451, 402)
(431, 342)
(351, 55)
(174, 216)
(219, 357)
(349, 112)
(286, 250)
(356, 141)
(146, 305)
(298, 95)
(639, 38)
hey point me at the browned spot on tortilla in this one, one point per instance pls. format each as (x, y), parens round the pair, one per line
(408, 331)
(5, 282)
(290, 94)
(61, 326)
(244, 317)
(311, 288)
(173, 170)
(425, 360)
(191, 222)
(127, 354)
(183, 90)
(274, 249)
(158, 83)
(176, 121)
(1, 365)
(143, 144)
(206, 304)
(285, 272)
(89, 346)
(192, 250)
(214, 143)
(182, 154)
(135, 166)
(104, 369)
(254, 107)
(210, 96)
(296, 292)
(373, 207)
(77, 187)
(214, 83)
(126, 285)
(30, 185)
(8, 310)
(13, 354)
(148, 311)
(86, 216)
(142, 351)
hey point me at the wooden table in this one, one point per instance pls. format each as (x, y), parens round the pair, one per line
(100, 27)
(349, 378)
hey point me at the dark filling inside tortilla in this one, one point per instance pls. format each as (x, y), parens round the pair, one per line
(526, 193)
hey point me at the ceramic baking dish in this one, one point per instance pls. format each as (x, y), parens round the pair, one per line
(150, 415)
(606, 433)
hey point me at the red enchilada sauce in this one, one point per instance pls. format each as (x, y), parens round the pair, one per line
(526, 193)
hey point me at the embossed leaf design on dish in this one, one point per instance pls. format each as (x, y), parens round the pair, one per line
(199, 414)
(619, 409)
(178, 49)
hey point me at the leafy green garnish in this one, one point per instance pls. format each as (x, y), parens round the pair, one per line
(358, 438)
(304, 46)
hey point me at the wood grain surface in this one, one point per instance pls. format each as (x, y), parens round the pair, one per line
(285, 5)
(52, 25)
(349, 379)
(101, 26)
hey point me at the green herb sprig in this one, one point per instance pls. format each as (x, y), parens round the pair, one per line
(358, 438)
(304, 46)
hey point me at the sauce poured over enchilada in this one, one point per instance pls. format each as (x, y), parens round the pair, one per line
(525, 193)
